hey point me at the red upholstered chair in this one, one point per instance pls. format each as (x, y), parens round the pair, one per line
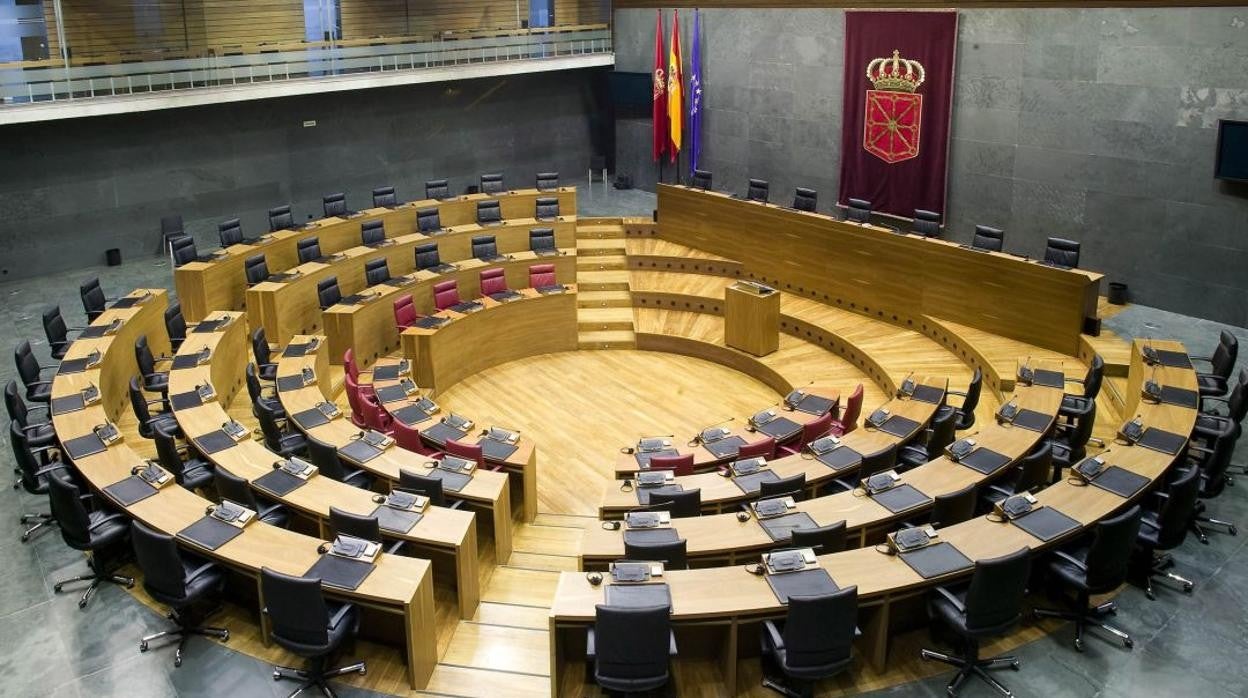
(357, 407)
(471, 452)
(765, 448)
(493, 281)
(810, 432)
(445, 294)
(352, 368)
(409, 438)
(679, 465)
(848, 420)
(375, 416)
(542, 275)
(405, 314)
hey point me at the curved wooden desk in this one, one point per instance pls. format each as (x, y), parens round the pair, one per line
(398, 585)
(740, 599)
(441, 531)
(220, 284)
(487, 491)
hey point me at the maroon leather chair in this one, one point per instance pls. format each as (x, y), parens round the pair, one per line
(409, 438)
(679, 465)
(765, 448)
(445, 294)
(405, 314)
(542, 275)
(357, 407)
(470, 452)
(810, 432)
(493, 281)
(848, 419)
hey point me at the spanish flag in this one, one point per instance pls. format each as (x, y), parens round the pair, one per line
(675, 90)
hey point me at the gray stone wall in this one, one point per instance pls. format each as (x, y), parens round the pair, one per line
(71, 189)
(1098, 125)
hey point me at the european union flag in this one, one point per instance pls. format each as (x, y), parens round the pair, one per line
(695, 95)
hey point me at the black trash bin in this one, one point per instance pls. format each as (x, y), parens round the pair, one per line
(1117, 293)
(113, 255)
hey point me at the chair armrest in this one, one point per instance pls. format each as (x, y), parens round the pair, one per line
(1071, 559)
(457, 504)
(1001, 490)
(33, 427)
(107, 519)
(671, 643)
(199, 570)
(266, 511)
(396, 547)
(38, 406)
(44, 449)
(951, 598)
(773, 634)
(341, 613)
(56, 465)
(1206, 359)
(1075, 380)
(45, 367)
(591, 651)
(37, 383)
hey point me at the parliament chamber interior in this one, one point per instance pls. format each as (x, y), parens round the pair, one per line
(590, 348)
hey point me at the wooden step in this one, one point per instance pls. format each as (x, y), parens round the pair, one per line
(589, 319)
(521, 586)
(594, 247)
(599, 232)
(519, 650)
(604, 299)
(514, 616)
(607, 339)
(602, 280)
(602, 262)
(459, 681)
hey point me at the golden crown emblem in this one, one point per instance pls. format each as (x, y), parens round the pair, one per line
(896, 74)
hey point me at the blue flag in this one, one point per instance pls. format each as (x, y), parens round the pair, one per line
(695, 95)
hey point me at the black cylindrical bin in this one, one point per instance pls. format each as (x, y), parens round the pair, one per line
(1117, 293)
(113, 255)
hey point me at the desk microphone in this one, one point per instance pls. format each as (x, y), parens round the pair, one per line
(698, 439)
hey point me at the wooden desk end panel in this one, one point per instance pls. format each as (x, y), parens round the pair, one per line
(751, 321)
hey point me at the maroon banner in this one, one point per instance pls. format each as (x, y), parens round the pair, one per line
(897, 104)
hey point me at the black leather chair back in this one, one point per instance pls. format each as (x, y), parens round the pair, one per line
(986, 238)
(254, 390)
(1062, 252)
(55, 329)
(994, 601)
(758, 190)
(926, 223)
(184, 251)
(1237, 401)
(15, 405)
(297, 611)
(271, 430)
(1109, 556)
(671, 553)
(376, 271)
(27, 366)
(324, 456)
(954, 507)
(309, 249)
(484, 247)
(546, 207)
(28, 466)
(701, 180)
(542, 239)
(966, 411)
(69, 511)
(175, 324)
(346, 523)
(93, 300)
(230, 232)
(878, 462)
(327, 292)
(143, 356)
(427, 256)
(859, 211)
(1035, 469)
(256, 267)
(138, 403)
(372, 232)
(260, 347)
(384, 197)
(164, 574)
(1176, 513)
(171, 226)
(685, 504)
(167, 451)
(428, 220)
(335, 204)
(1224, 357)
(944, 431)
(430, 487)
(1077, 437)
(631, 646)
(792, 486)
(1094, 377)
(281, 218)
(824, 539)
(492, 183)
(437, 189)
(546, 181)
(805, 199)
(489, 212)
(235, 489)
(819, 630)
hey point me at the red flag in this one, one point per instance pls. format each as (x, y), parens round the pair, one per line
(659, 111)
(675, 90)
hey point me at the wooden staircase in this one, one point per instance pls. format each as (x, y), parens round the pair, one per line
(605, 305)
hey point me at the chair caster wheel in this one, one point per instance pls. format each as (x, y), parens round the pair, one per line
(1016, 666)
(225, 637)
(82, 603)
(142, 646)
(1151, 596)
(26, 538)
(177, 662)
(277, 676)
(363, 670)
(1204, 540)
(1128, 643)
(1233, 531)
(1187, 588)
(56, 588)
(130, 584)
(1079, 645)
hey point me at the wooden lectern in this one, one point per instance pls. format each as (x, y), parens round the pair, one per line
(752, 318)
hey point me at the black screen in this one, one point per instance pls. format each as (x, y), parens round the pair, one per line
(1232, 161)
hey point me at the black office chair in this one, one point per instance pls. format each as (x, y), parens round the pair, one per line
(178, 582)
(171, 227)
(701, 180)
(363, 527)
(987, 238)
(858, 211)
(239, 491)
(384, 197)
(430, 487)
(376, 271)
(1062, 253)
(872, 464)
(94, 301)
(38, 432)
(258, 394)
(31, 373)
(546, 208)
(1212, 424)
(277, 439)
(308, 249)
(428, 220)
(1069, 441)
(954, 507)
(485, 248)
(189, 471)
(281, 218)
(428, 257)
(153, 381)
(630, 648)
(939, 434)
(184, 251)
(175, 325)
(672, 554)
(805, 199)
(758, 190)
(492, 183)
(255, 269)
(324, 456)
(1213, 465)
(1098, 567)
(56, 331)
(437, 189)
(1215, 382)
(1029, 475)
(970, 400)
(542, 242)
(328, 293)
(989, 606)
(1073, 405)
(489, 212)
(373, 233)
(147, 420)
(100, 532)
(823, 540)
(547, 181)
(266, 368)
(304, 622)
(1165, 528)
(32, 476)
(793, 486)
(336, 204)
(685, 504)
(815, 641)
(926, 223)
(231, 233)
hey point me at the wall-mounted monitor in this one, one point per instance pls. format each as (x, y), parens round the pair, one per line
(1232, 156)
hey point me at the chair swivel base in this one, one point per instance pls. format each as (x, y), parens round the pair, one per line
(1090, 617)
(968, 666)
(801, 690)
(1199, 529)
(183, 633)
(1160, 565)
(316, 676)
(96, 579)
(40, 521)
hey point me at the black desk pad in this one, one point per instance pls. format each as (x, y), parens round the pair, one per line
(132, 489)
(1046, 523)
(900, 498)
(466, 307)
(94, 332)
(386, 373)
(209, 326)
(295, 350)
(899, 426)
(985, 461)
(1032, 420)
(1174, 359)
(186, 360)
(431, 323)
(128, 302)
(780, 428)
(391, 393)
(358, 451)
(278, 483)
(1178, 396)
(493, 449)
(339, 572)
(643, 493)
(442, 432)
(650, 535)
(411, 415)
(638, 595)
(84, 446)
(815, 404)
(310, 418)
(213, 442)
(396, 520)
(781, 528)
(504, 296)
(726, 447)
(643, 459)
(451, 482)
(1161, 440)
(210, 533)
(282, 277)
(187, 400)
(354, 299)
(1049, 379)
(67, 404)
(840, 458)
(1120, 481)
(749, 484)
(816, 582)
(69, 366)
(289, 383)
(551, 289)
(936, 560)
(928, 394)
